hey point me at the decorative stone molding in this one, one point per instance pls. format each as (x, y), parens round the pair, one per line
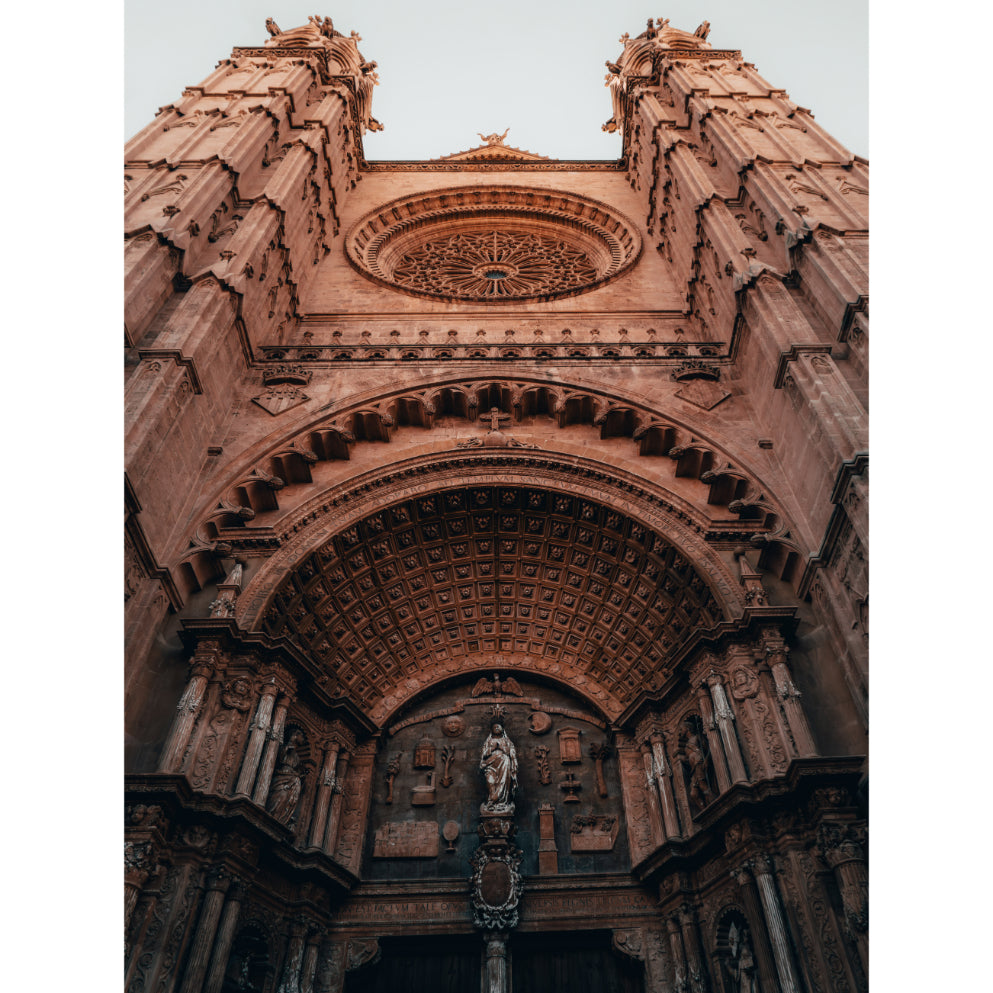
(493, 243)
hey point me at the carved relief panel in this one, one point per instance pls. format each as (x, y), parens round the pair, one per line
(428, 784)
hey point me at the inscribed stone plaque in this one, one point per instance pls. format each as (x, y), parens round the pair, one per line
(406, 840)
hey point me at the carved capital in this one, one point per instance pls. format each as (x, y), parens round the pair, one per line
(139, 862)
(629, 942)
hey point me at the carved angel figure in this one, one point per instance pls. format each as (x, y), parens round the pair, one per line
(284, 793)
(499, 765)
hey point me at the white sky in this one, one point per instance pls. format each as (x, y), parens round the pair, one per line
(451, 68)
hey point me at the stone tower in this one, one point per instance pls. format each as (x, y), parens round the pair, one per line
(495, 541)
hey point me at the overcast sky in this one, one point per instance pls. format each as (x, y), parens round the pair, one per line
(451, 68)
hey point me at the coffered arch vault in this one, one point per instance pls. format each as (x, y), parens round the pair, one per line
(449, 563)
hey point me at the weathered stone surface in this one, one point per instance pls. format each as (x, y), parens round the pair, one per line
(414, 448)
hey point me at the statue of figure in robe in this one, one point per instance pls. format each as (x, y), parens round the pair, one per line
(499, 766)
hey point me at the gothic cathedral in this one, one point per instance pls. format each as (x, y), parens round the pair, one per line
(495, 542)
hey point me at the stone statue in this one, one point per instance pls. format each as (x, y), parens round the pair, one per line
(284, 794)
(499, 765)
(272, 27)
(493, 139)
(692, 755)
(702, 31)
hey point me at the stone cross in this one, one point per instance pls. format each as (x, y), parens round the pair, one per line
(496, 415)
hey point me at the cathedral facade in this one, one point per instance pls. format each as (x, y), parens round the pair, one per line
(495, 542)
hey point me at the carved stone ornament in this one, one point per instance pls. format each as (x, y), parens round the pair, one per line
(450, 832)
(497, 886)
(593, 832)
(570, 750)
(279, 399)
(494, 243)
(362, 951)
(539, 722)
(744, 683)
(453, 726)
(424, 754)
(544, 766)
(702, 393)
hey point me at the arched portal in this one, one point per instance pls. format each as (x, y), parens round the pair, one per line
(588, 580)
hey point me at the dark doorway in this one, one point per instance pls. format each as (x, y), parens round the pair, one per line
(435, 964)
(577, 962)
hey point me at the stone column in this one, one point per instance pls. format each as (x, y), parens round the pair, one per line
(725, 722)
(290, 982)
(225, 936)
(670, 817)
(271, 753)
(495, 972)
(789, 696)
(776, 925)
(691, 944)
(260, 728)
(756, 919)
(218, 881)
(654, 808)
(338, 796)
(201, 668)
(843, 853)
(139, 863)
(681, 983)
(319, 820)
(309, 967)
(330, 968)
(713, 736)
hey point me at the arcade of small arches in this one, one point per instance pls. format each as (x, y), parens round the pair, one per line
(248, 507)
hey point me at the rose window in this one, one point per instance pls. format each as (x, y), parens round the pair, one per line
(494, 265)
(493, 244)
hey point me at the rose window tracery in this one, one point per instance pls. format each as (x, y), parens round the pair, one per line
(498, 264)
(493, 244)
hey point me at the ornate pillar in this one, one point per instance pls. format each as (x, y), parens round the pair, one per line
(309, 967)
(656, 980)
(713, 737)
(225, 936)
(139, 864)
(202, 666)
(756, 919)
(841, 848)
(337, 797)
(725, 722)
(789, 697)
(218, 880)
(330, 975)
(663, 774)
(654, 808)
(325, 785)
(691, 944)
(271, 753)
(290, 982)
(495, 969)
(260, 728)
(775, 924)
(680, 980)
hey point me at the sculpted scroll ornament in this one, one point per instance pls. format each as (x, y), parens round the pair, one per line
(497, 886)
